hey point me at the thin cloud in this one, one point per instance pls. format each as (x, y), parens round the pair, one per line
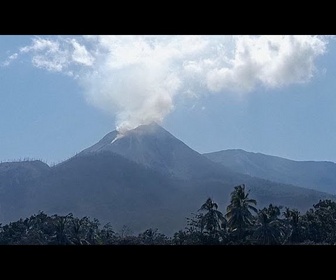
(80, 54)
(57, 55)
(10, 59)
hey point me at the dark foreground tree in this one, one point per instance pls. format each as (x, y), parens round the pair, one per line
(269, 228)
(207, 227)
(294, 226)
(213, 220)
(239, 216)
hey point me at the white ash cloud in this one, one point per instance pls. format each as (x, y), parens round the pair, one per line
(137, 78)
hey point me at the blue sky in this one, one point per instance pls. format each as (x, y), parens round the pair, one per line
(274, 95)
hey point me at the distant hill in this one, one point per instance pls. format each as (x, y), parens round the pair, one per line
(147, 178)
(15, 181)
(318, 175)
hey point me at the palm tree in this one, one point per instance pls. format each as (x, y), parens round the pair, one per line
(295, 228)
(239, 214)
(269, 228)
(212, 224)
(212, 221)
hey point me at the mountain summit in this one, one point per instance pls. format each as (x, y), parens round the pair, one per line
(154, 147)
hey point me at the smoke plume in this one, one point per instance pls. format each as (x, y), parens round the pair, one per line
(137, 78)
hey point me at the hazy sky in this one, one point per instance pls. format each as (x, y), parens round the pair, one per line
(270, 94)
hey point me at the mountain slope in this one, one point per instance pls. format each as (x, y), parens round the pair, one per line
(15, 181)
(157, 149)
(316, 175)
(114, 189)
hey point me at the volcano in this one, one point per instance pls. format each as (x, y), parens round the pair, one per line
(155, 148)
(145, 178)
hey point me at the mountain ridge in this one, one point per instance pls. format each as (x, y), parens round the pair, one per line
(318, 175)
(268, 155)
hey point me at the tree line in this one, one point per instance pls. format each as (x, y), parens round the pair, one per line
(242, 224)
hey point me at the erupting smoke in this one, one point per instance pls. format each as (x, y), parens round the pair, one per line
(138, 77)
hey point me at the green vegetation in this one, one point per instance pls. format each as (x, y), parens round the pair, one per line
(242, 224)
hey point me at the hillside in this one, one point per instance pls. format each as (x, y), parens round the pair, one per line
(318, 175)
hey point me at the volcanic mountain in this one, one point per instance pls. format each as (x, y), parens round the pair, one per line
(157, 149)
(143, 178)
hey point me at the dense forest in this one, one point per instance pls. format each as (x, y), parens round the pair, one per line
(242, 224)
